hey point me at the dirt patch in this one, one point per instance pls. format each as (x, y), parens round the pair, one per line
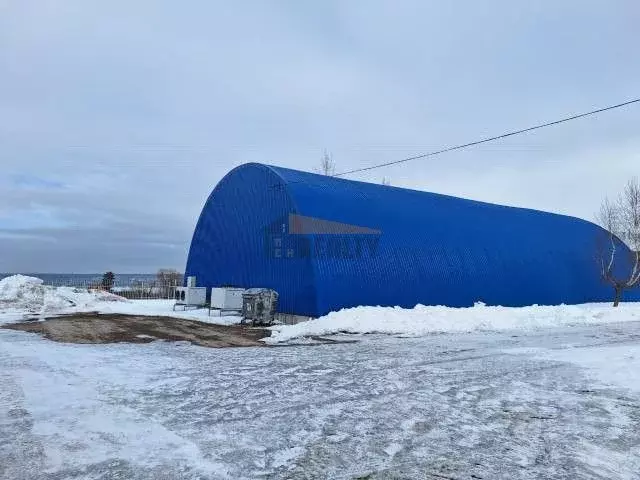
(97, 328)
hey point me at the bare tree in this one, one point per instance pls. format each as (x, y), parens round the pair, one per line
(166, 280)
(619, 260)
(386, 181)
(327, 165)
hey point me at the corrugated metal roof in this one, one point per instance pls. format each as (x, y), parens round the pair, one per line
(353, 243)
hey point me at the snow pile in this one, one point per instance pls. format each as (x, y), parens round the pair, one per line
(22, 292)
(22, 295)
(422, 320)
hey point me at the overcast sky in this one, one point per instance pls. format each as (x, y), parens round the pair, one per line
(117, 118)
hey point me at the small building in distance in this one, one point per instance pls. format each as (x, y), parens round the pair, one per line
(326, 243)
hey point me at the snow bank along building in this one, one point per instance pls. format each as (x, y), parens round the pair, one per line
(326, 243)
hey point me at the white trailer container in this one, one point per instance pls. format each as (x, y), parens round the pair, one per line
(226, 299)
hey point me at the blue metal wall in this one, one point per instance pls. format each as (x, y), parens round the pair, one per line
(431, 249)
(229, 245)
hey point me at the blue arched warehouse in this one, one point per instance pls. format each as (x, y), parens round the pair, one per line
(325, 243)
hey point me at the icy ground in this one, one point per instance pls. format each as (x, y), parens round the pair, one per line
(550, 403)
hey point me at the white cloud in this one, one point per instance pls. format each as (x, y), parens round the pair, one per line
(140, 108)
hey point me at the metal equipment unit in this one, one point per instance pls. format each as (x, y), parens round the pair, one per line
(226, 299)
(259, 306)
(191, 296)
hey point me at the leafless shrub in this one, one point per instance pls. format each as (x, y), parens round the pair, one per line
(619, 256)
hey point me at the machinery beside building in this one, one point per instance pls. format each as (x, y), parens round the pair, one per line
(190, 296)
(226, 299)
(259, 306)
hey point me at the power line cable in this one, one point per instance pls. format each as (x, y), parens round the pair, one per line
(489, 139)
(457, 147)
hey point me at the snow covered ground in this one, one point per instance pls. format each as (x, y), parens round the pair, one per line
(546, 403)
(26, 297)
(500, 393)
